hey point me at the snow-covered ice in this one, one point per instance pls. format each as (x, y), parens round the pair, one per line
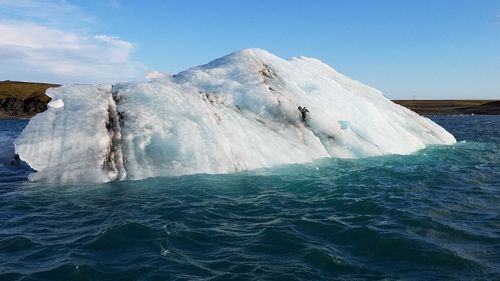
(247, 110)
(56, 103)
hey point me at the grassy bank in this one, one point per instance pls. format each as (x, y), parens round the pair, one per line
(23, 99)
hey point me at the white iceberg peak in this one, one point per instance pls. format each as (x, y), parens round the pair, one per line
(247, 110)
(155, 76)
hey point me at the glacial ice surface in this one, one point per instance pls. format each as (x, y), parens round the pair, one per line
(244, 111)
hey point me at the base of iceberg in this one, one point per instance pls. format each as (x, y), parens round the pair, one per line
(244, 111)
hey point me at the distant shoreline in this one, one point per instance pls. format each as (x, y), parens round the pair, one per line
(22, 100)
(452, 107)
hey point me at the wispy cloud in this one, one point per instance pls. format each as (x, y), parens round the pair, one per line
(46, 12)
(47, 45)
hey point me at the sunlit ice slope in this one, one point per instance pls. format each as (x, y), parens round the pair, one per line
(244, 111)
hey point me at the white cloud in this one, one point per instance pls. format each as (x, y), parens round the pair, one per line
(46, 12)
(32, 48)
(34, 36)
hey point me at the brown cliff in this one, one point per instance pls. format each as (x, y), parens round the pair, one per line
(23, 99)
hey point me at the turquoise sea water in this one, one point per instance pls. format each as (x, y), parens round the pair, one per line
(433, 215)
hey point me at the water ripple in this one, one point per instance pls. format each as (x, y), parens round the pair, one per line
(434, 215)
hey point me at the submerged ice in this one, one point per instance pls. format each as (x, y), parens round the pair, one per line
(247, 110)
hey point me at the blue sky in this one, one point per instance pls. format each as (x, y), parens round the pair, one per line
(406, 48)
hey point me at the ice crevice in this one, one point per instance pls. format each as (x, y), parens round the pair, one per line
(114, 162)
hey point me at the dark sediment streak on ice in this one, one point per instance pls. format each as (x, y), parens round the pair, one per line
(114, 159)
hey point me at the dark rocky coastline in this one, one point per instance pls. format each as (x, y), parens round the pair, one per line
(23, 99)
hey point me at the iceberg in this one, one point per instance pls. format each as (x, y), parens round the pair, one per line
(247, 110)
